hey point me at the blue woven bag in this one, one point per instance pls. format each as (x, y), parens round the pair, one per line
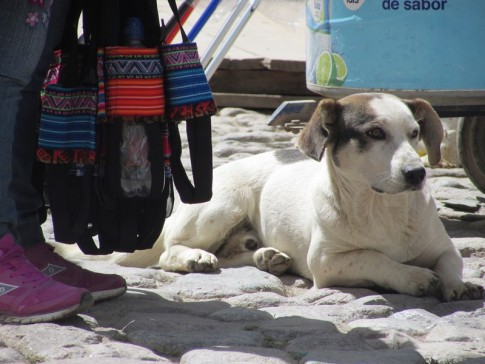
(187, 92)
(67, 132)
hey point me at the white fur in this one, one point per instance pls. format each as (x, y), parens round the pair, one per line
(351, 223)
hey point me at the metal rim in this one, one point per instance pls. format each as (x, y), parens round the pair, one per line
(471, 148)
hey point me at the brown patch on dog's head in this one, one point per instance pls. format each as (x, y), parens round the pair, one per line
(431, 128)
(313, 137)
(332, 120)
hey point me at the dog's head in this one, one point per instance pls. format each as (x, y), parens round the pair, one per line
(373, 137)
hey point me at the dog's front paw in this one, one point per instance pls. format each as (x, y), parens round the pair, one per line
(272, 261)
(463, 291)
(199, 260)
(420, 282)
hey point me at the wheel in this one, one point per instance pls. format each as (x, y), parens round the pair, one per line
(471, 148)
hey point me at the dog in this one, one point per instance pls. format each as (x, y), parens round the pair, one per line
(349, 207)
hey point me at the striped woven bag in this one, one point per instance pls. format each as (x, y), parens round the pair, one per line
(67, 132)
(134, 84)
(67, 129)
(187, 92)
(188, 97)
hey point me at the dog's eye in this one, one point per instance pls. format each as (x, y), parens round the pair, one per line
(415, 134)
(376, 133)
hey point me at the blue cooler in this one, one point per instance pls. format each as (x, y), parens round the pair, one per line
(434, 49)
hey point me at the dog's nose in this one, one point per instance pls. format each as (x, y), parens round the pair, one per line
(414, 175)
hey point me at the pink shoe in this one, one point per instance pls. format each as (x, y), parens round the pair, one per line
(28, 296)
(101, 286)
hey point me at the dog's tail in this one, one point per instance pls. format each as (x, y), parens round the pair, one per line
(139, 259)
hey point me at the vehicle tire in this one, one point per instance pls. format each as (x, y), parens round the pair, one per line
(471, 148)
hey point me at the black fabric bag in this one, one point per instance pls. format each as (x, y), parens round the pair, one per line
(124, 223)
(188, 99)
(69, 192)
(87, 201)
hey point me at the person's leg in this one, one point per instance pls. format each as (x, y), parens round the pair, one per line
(27, 199)
(26, 295)
(22, 39)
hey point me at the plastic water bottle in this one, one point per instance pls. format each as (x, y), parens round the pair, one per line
(136, 178)
(134, 32)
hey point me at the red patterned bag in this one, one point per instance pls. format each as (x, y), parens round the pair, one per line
(134, 84)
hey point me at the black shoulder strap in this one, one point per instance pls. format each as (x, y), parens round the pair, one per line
(200, 148)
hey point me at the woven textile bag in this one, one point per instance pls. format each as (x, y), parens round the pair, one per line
(188, 97)
(134, 108)
(133, 191)
(67, 130)
(134, 84)
(187, 92)
(133, 101)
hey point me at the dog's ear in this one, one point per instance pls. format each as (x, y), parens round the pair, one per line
(314, 136)
(431, 127)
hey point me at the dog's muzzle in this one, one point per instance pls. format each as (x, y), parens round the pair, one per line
(414, 176)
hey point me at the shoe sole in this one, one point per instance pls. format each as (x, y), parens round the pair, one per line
(86, 302)
(106, 295)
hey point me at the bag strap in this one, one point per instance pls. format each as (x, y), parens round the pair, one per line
(119, 222)
(75, 73)
(69, 44)
(90, 29)
(200, 148)
(176, 15)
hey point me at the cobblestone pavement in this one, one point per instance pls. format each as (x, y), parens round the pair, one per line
(243, 315)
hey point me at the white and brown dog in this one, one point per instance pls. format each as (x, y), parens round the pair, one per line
(351, 208)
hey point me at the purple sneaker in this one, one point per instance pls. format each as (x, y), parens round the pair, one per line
(28, 296)
(101, 286)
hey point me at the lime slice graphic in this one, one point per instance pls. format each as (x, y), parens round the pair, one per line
(340, 69)
(331, 69)
(324, 68)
